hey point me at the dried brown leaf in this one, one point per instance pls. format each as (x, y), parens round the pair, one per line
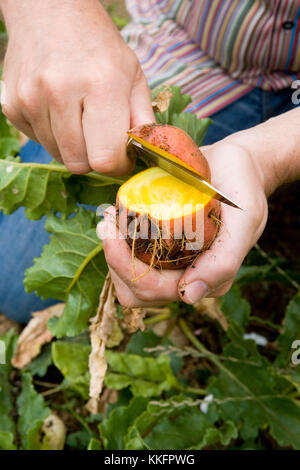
(6, 324)
(162, 100)
(34, 335)
(116, 336)
(133, 319)
(211, 308)
(101, 329)
(99, 406)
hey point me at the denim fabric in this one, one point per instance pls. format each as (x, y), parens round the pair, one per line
(22, 240)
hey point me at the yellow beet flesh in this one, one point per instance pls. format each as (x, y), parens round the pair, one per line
(160, 195)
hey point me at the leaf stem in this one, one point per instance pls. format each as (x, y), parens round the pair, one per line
(278, 268)
(62, 169)
(190, 336)
(86, 261)
(51, 391)
(81, 421)
(157, 318)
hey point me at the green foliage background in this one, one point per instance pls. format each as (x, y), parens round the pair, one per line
(237, 395)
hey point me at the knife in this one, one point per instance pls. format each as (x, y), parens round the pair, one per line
(177, 168)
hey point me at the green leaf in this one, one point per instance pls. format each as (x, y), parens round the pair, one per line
(268, 272)
(40, 364)
(72, 361)
(175, 116)
(7, 423)
(72, 268)
(40, 188)
(142, 340)
(192, 125)
(253, 397)
(176, 425)
(94, 444)
(95, 188)
(291, 332)
(113, 430)
(145, 376)
(7, 441)
(3, 34)
(32, 412)
(235, 307)
(9, 146)
(79, 440)
(178, 103)
(9, 143)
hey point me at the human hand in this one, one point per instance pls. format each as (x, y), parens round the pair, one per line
(72, 83)
(237, 174)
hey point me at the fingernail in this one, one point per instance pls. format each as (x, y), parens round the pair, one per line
(195, 291)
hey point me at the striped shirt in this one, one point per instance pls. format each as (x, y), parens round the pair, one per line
(216, 50)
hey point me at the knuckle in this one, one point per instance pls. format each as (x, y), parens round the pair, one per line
(53, 85)
(104, 161)
(27, 98)
(99, 83)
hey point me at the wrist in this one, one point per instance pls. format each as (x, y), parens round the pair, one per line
(276, 160)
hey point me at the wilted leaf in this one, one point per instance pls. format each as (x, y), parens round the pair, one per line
(116, 336)
(32, 413)
(34, 335)
(71, 268)
(54, 430)
(177, 104)
(101, 329)
(211, 308)
(169, 103)
(133, 319)
(6, 324)
(161, 102)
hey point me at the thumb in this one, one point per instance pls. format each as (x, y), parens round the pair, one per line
(213, 273)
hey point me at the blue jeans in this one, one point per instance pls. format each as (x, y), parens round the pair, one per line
(21, 240)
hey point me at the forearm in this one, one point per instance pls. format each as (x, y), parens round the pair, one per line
(275, 147)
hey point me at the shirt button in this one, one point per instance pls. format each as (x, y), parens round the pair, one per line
(288, 25)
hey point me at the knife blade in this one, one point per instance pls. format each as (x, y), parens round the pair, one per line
(177, 168)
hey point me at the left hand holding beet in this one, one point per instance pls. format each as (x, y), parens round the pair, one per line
(236, 173)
